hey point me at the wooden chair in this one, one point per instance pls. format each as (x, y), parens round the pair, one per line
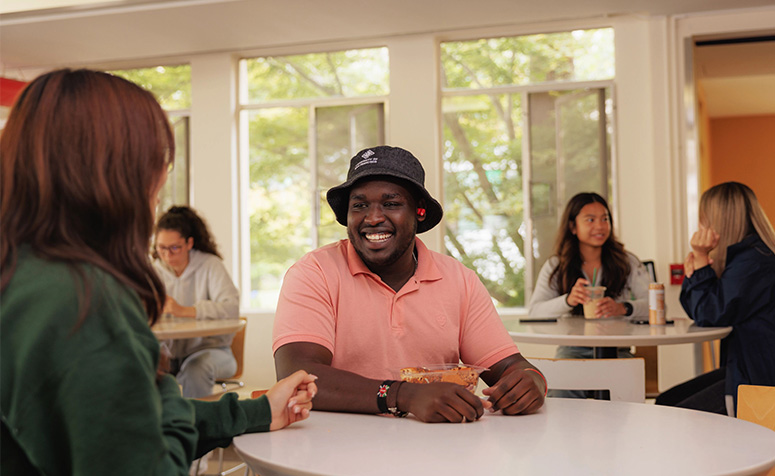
(238, 349)
(624, 378)
(756, 403)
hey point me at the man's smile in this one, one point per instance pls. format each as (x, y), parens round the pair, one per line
(377, 237)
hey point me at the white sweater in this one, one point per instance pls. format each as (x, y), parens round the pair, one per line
(547, 301)
(206, 285)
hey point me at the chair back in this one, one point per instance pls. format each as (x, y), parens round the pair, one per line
(756, 403)
(624, 378)
(238, 348)
(649, 265)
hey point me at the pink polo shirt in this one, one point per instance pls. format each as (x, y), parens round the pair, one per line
(442, 314)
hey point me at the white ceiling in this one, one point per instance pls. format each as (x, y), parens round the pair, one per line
(737, 79)
(49, 33)
(124, 30)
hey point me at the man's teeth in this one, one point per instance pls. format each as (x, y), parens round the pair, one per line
(378, 236)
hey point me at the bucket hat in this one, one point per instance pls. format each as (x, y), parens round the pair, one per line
(385, 161)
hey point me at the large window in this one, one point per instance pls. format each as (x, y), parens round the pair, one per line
(526, 124)
(301, 119)
(171, 85)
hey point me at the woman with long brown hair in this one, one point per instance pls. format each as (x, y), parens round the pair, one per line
(730, 281)
(586, 249)
(84, 155)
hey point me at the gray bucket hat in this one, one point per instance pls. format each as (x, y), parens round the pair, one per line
(385, 161)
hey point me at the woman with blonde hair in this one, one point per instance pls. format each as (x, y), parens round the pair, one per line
(730, 281)
(83, 391)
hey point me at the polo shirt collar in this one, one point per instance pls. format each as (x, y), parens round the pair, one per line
(426, 266)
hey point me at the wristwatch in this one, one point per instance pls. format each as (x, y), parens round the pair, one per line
(628, 309)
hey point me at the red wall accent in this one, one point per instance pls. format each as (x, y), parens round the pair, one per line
(9, 89)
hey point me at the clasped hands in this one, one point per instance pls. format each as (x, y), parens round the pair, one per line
(606, 307)
(290, 399)
(703, 242)
(516, 392)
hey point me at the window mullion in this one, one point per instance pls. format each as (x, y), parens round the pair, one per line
(312, 139)
(527, 180)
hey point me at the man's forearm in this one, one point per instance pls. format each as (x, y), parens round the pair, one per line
(343, 391)
(338, 390)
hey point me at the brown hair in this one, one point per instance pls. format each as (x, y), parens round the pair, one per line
(185, 221)
(82, 151)
(616, 267)
(732, 210)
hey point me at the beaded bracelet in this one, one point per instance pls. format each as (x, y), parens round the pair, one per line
(382, 399)
(546, 385)
(382, 395)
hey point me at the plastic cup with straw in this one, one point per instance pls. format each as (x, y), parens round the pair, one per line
(596, 293)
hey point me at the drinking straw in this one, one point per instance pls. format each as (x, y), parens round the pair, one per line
(594, 277)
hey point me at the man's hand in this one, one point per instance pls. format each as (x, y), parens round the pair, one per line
(516, 387)
(441, 402)
(518, 391)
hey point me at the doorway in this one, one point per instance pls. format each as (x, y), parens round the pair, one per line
(735, 97)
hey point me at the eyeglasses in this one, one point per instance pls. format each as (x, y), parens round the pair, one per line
(174, 249)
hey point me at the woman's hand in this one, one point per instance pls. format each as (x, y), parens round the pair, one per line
(703, 241)
(578, 294)
(689, 265)
(291, 399)
(607, 307)
(171, 306)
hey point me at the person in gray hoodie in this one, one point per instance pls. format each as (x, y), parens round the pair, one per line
(198, 287)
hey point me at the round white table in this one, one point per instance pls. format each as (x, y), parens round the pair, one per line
(185, 328)
(568, 436)
(610, 333)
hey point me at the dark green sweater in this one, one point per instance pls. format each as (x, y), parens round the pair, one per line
(83, 399)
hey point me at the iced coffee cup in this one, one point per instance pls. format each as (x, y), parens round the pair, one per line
(596, 293)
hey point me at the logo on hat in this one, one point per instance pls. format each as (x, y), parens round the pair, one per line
(366, 162)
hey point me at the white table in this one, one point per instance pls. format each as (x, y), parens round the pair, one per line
(186, 328)
(614, 332)
(568, 436)
(610, 333)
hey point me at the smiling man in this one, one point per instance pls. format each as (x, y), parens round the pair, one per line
(356, 311)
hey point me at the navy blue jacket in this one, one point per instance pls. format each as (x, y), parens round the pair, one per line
(744, 298)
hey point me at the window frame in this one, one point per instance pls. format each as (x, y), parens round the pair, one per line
(524, 91)
(243, 107)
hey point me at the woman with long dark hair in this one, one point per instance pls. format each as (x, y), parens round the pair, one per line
(585, 248)
(83, 391)
(198, 287)
(730, 281)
